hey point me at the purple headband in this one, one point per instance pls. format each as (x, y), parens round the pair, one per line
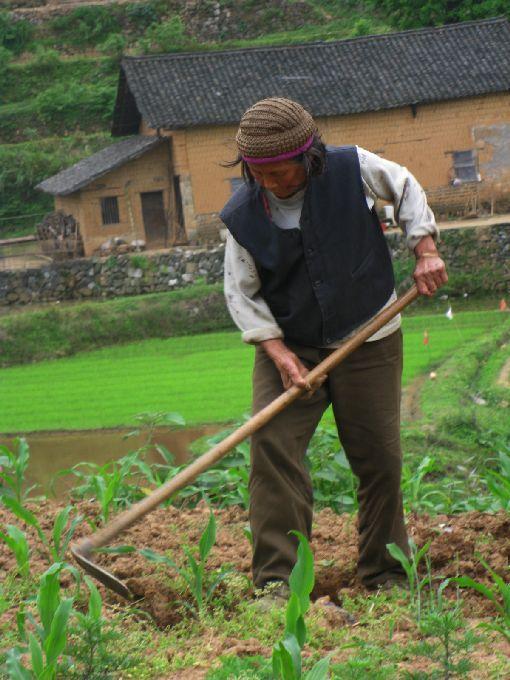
(282, 156)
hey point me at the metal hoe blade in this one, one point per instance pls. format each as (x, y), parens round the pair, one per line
(103, 576)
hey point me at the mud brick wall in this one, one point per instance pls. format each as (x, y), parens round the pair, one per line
(422, 138)
(478, 260)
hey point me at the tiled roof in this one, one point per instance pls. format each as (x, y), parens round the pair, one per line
(329, 78)
(82, 173)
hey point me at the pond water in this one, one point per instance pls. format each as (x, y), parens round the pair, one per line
(51, 452)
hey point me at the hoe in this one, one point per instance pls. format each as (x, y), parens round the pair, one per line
(82, 551)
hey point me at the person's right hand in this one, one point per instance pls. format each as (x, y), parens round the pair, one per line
(292, 370)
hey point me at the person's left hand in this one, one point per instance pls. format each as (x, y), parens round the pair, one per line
(429, 273)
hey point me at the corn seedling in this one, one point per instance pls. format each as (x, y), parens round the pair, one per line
(111, 484)
(148, 422)
(498, 594)
(442, 620)
(13, 466)
(47, 643)
(410, 565)
(194, 573)
(286, 659)
(16, 540)
(62, 533)
(90, 637)
(498, 482)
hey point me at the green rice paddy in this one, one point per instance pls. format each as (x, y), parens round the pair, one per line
(206, 378)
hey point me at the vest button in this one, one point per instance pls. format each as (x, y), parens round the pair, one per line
(317, 283)
(310, 251)
(328, 341)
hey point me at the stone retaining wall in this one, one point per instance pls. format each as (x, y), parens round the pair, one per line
(478, 260)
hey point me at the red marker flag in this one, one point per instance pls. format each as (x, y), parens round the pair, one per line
(425, 338)
(503, 307)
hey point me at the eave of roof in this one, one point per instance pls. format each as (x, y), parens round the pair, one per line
(89, 169)
(342, 77)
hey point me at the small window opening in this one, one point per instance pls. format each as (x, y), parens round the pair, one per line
(465, 166)
(110, 210)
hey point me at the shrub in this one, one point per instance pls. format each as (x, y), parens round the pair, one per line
(67, 104)
(165, 37)
(86, 25)
(141, 15)
(15, 34)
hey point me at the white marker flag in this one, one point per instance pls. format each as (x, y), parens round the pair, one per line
(449, 313)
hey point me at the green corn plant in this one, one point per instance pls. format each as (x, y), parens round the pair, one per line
(63, 528)
(498, 594)
(498, 481)
(16, 540)
(410, 565)
(47, 643)
(13, 466)
(194, 573)
(148, 422)
(90, 641)
(442, 620)
(111, 484)
(286, 658)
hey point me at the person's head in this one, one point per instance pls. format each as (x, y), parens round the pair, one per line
(279, 146)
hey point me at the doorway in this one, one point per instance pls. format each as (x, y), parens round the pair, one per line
(155, 219)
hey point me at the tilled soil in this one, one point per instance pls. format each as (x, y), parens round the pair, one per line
(457, 545)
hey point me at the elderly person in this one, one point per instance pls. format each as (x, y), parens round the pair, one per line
(306, 262)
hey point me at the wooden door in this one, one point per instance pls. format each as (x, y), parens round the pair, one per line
(155, 219)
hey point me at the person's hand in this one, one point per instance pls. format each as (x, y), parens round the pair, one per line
(429, 273)
(430, 270)
(292, 370)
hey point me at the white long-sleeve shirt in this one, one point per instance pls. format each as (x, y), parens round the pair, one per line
(381, 179)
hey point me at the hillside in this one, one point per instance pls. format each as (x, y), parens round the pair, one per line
(59, 66)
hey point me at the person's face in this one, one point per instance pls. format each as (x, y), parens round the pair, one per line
(282, 178)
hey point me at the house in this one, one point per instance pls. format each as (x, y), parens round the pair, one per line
(436, 100)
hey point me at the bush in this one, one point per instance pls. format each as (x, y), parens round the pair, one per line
(45, 62)
(86, 25)
(68, 104)
(15, 34)
(168, 36)
(141, 15)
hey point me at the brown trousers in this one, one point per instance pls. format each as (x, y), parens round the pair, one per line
(364, 391)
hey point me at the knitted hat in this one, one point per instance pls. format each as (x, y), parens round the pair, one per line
(274, 129)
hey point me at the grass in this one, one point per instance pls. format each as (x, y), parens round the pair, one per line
(206, 378)
(55, 331)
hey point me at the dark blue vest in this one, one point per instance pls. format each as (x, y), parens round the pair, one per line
(323, 280)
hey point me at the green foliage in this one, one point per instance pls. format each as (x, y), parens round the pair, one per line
(141, 14)
(498, 482)
(13, 466)
(167, 36)
(200, 584)
(86, 25)
(17, 542)
(411, 563)
(94, 643)
(63, 528)
(286, 659)
(115, 46)
(112, 484)
(50, 333)
(15, 34)
(22, 166)
(48, 640)
(498, 594)
(66, 104)
(405, 14)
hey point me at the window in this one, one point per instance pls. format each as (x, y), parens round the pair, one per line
(110, 210)
(235, 183)
(465, 167)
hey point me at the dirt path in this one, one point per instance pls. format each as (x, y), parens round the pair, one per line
(410, 403)
(504, 376)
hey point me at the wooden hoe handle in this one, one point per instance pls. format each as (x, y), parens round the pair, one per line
(138, 510)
